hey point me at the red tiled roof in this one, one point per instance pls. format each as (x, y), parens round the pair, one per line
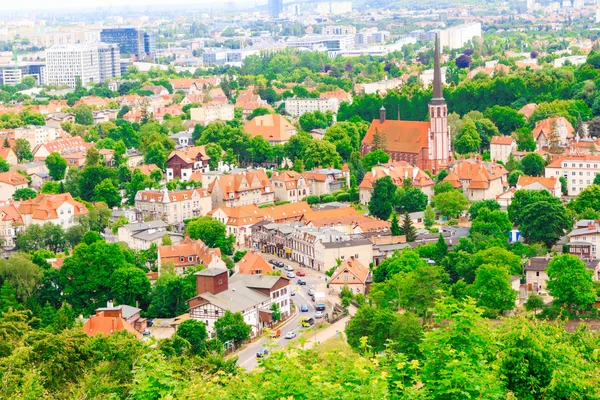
(401, 136)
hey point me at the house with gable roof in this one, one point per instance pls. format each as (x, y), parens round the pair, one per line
(501, 147)
(245, 188)
(546, 129)
(173, 206)
(189, 253)
(479, 180)
(10, 182)
(353, 275)
(182, 163)
(253, 264)
(290, 186)
(551, 184)
(237, 220)
(11, 224)
(60, 209)
(274, 128)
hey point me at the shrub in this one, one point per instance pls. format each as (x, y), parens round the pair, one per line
(453, 222)
(327, 199)
(280, 202)
(313, 199)
(343, 197)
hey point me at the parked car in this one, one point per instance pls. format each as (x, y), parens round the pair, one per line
(306, 322)
(301, 282)
(320, 307)
(300, 273)
(279, 264)
(290, 335)
(292, 293)
(319, 314)
(304, 308)
(147, 332)
(290, 275)
(274, 262)
(289, 268)
(311, 292)
(262, 353)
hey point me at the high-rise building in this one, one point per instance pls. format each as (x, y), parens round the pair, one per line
(457, 36)
(91, 63)
(275, 8)
(130, 40)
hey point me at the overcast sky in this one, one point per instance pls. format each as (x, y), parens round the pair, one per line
(117, 5)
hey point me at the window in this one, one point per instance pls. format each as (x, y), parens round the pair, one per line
(537, 273)
(205, 311)
(217, 313)
(182, 259)
(345, 277)
(190, 258)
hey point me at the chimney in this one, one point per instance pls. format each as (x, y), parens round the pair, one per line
(110, 304)
(382, 114)
(547, 256)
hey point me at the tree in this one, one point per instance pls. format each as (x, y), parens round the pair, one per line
(171, 293)
(8, 298)
(258, 111)
(533, 164)
(394, 226)
(275, 312)
(468, 139)
(21, 274)
(381, 203)
(563, 185)
(589, 198)
(544, 222)
(212, 233)
(491, 223)
(84, 115)
(4, 166)
(321, 153)
(429, 217)
(413, 200)
(507, 119)
(166, 240)
(24, 194)
(232, 326)
(130, 285)
(490, 204)
(534, 303)
(106, 192)
(401, 261)
(451, 204)
(23, 150)
(155, 154)
(493, 288)
(194, 332)
(313, 120)
(373, 158)
(57, 166)
(570, 282)
(513, 177)
(408, 228)
(92, 157)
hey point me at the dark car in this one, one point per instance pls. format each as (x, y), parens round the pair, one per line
(301, 282)
(262, 353)
(279, 264)
(274, 262)
(311, 292)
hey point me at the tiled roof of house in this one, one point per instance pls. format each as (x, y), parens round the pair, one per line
(189, 248)
(398, 171)
(158, 196)
(101, 324)
(477, 174)
(289, 178)
(189, 154)
(45, 206)
(527, 109)
(253, 264)
(71, 145)
(502, 140)
(359, 272)
(546, 125)
(232, 185)
(285, 211)
(8, 212)
(401, 136)
(13, 178)
(573, 158)
(145, 169)
(272, 127)
(549, 183)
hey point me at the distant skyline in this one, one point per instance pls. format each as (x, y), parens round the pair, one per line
(117, 5)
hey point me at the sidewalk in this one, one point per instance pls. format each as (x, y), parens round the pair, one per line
(331, 331)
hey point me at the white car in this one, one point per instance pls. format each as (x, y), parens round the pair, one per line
(319, 314)
(291, 275)
(288, 268)
(290, 335)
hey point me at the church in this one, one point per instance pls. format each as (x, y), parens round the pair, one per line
(423, 144)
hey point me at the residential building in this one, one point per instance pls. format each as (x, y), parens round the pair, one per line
(183, 163)
(290, 186)
(351, 274)
(253, 264)
(501, 147)
(423, 144)
(130, 40)
(113, 319)
(344, 219)
(400, 172)
(285, 213)
(250, 187)
(140, 236)
(527, 110)
(273, 238)
(327, 180)
(578, 170)
(11, 224)
(551, 184)
(274, 128)
(536, 276)
(60, 209)
(84, 63)
(8, 155)
(322, 42)
(173, 207)
(296, 106)
(36, 135)
(479, 180)
(554, 131)
(64, 147)
(31, 167)
(275, 8)
(237, 220)
(327, 253)
(10, 182)
(189, 253)
(457, 36)
(339, 30)
(250, 295)
(207, 114)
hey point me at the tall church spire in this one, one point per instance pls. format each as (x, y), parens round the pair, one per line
(438, 94)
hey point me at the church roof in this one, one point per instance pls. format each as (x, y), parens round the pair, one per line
(401, 136)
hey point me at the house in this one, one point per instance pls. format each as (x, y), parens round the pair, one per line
(578, 169)
(326, 180)
(237, 220)
(274, 128)
(60, 209)
(157, 90)
(327, 253)
(140, 236)
(188, 85)
(527, 110)
(56, 119)
(174, 110)
(557, 129)
(285, 213)
(290, 186)
(583, 240)
(551, 184)
(253, 264)
(211, 113)
(273, 238)
(344, 219)
(36, 135)
(501, 147)
(174, 206)
(196, 98)
(64, 147)
(39, 178)
(92, 101)
(146, 169)
(113, 319)
(31, 168)
(10, 182)
(249, 187)
(189, 253)
(536, 277)
(182, 163)
(250, 295)
(399, 171)
(8, 155)
(479, 180)
(11, 224)
(353, 275)
(504, 199)
(183, 138)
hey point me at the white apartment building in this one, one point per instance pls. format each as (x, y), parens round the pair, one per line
(501, 147)
(36, 135)
(457, 36)
(206, 115)
(322, 42)
(173, 207)
(578, 170)
(334, 7)
(92, 63)
(339, 30)
(296, 107)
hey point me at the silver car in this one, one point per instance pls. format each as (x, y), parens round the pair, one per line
(291, 275)
(319, 314)
(290, 335)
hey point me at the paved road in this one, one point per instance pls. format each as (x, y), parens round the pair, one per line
(315, 281)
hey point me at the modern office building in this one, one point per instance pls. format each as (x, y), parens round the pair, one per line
(130, 40)
(334, 7)
(323, 42)
(92, 63)
(275, 8)
(339, 30)
(11, 74)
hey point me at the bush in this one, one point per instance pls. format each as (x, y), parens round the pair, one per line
(327, 199)
(280, 202)
(313, 199)
(434, 230)
(453, 222)
(343, 197)
(337, 192)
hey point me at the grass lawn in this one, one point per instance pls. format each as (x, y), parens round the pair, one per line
(336, 343)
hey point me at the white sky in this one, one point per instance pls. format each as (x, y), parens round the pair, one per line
(117, 5)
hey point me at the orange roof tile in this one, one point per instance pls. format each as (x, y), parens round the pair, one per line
(401, 136)
(549, 183)
(13, 178)
(272, 127)
(44, 206)
(200, 252)
(353, 267)
(253, 264)
(101, 324)
(502, 140)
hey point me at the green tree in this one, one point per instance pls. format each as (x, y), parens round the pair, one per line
(401, 261)
(106, 192)
(451, 204)
(23, 150)
(373, 158)
(21, 274)
(130, 285)
(468, 139)
(24, 194)
(155, 154)
(381, 203)
(212, 233)
(491, 223)
(4, 166)
(57, 166)
(544, 221)
(413, 200)
(321, 153)
(570, 282)
(513, 177)
(533, 164)
(232, 326)
(493, 288)
(534, 303)
(394, 226)
(171, 293)
(589, 198)
(258, 111)
(429, 217)
(194, 332)
(84, 115)
(408, 228)
(505, 118)
(8, 298)
(490, 204)
(275, 312)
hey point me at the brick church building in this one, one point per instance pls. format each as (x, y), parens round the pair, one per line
(423, 144)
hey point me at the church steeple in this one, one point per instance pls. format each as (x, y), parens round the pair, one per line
(438, 93)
